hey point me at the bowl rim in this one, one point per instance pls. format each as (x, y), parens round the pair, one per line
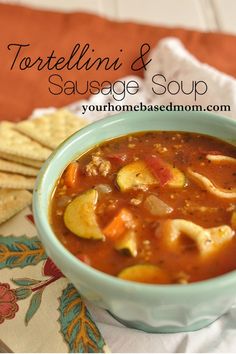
(43, 225)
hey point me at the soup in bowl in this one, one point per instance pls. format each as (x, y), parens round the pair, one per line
(138, 211)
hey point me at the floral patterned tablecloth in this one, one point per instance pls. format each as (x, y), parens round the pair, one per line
(40, 311)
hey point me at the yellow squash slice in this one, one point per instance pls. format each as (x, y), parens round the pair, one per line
(80, 217)
(145, 273)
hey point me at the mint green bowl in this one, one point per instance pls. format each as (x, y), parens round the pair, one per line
(152, 308)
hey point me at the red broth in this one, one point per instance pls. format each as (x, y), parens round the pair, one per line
(128, 205)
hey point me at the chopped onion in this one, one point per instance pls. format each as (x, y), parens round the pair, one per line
(63, 201)
(156, 206)
(103, 188)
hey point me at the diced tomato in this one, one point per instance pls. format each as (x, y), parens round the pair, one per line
(160, 169)
(117, 157)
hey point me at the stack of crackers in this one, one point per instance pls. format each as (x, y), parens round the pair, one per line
(24, 147)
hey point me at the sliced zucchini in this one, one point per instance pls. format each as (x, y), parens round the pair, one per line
(135, 174)
(145, 273)
(128, 243)
(80, 217)
(178, 180)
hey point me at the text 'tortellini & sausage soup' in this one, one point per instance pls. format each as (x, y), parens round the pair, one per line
(154, 207)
